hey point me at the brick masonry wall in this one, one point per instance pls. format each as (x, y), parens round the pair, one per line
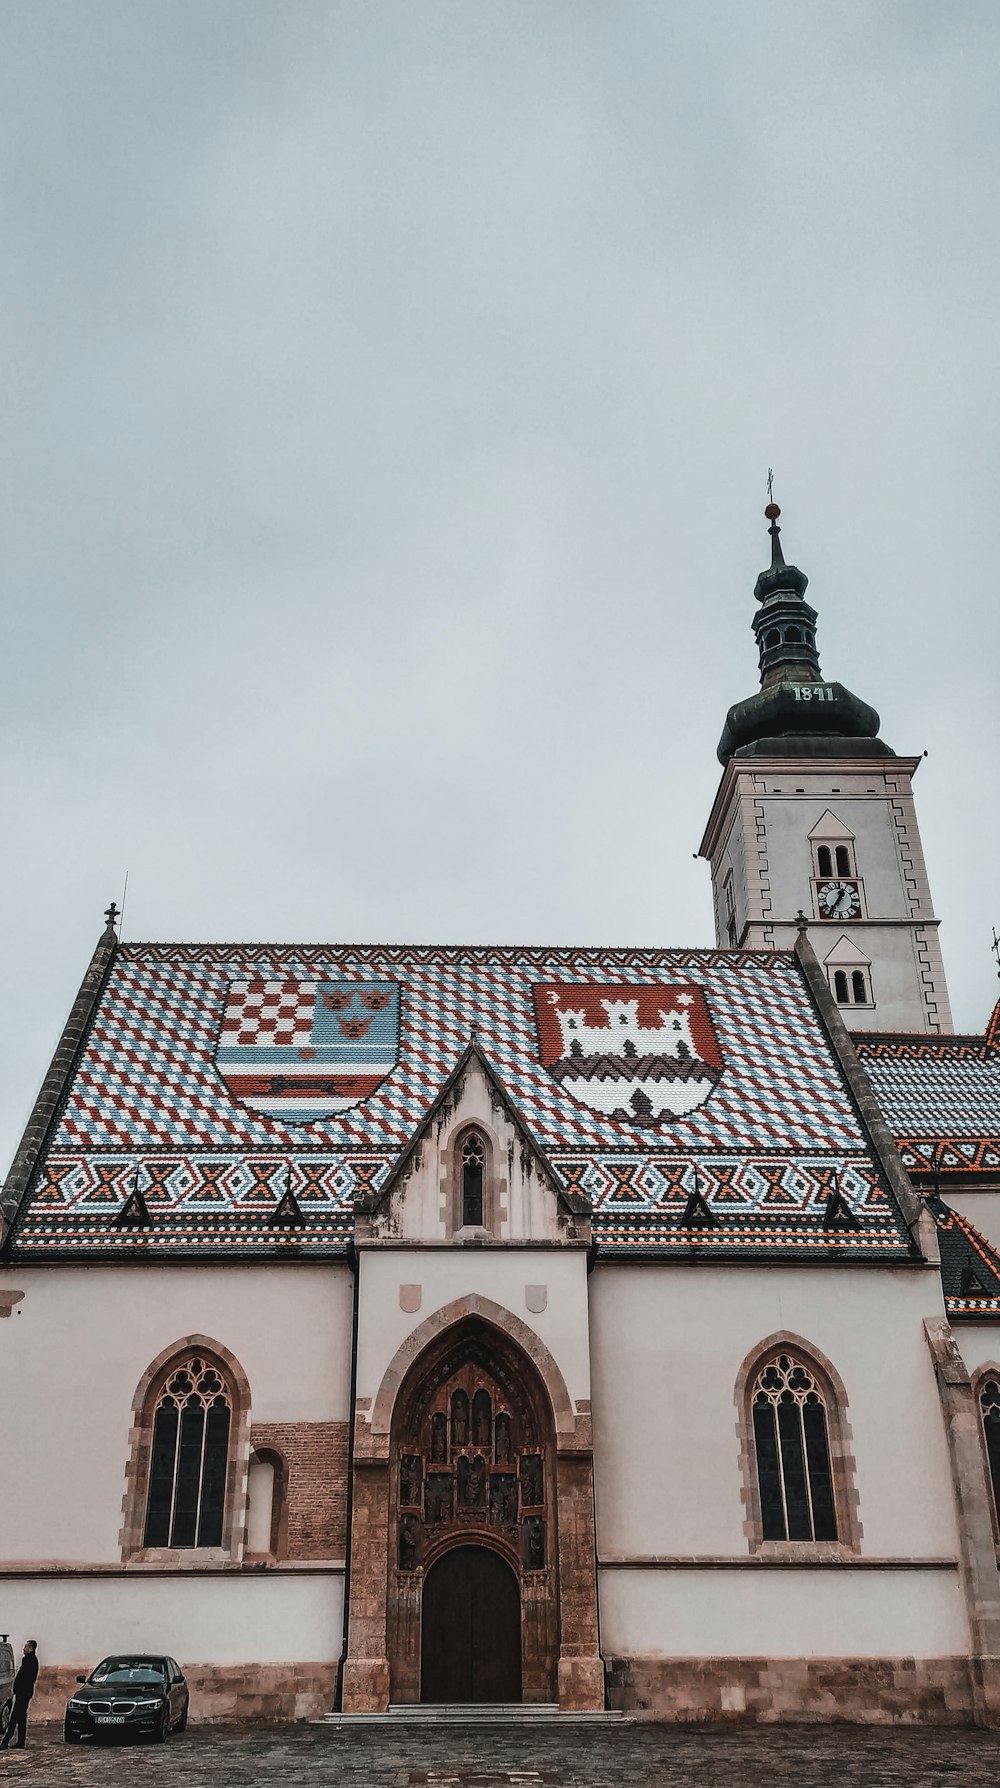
(313, 1455)
(864, 1691)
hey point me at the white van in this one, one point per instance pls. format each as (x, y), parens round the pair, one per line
(6, 1681)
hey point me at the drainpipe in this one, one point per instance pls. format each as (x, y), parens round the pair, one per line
(355, 1267)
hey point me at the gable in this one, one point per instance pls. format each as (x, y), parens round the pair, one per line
(845, 954)
(831, 830)
(424, 1198)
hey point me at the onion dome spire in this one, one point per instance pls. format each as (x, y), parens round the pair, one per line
(786, 625)
(795, 713)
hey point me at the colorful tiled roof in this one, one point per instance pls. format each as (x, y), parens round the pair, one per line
(970, 1265)
(940, 1097)
(215, 1080)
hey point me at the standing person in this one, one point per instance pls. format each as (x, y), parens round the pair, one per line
(24, 1688)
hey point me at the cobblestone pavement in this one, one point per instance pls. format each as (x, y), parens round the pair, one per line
(627, 1756)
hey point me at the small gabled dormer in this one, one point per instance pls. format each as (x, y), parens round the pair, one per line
(473, 1176)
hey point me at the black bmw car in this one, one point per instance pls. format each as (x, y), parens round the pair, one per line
(133, 1693)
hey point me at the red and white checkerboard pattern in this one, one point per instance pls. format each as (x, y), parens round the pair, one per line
(268, 1013)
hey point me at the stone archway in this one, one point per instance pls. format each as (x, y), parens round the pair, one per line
(468, 1443)
(472, 1463)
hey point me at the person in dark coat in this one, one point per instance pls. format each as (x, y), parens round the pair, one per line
(24, 1688)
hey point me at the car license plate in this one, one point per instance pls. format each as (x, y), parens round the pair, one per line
(110, 1719)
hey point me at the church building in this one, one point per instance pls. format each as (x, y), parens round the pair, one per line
(593, 1328)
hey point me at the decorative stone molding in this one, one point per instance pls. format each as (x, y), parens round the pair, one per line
(572, 1428)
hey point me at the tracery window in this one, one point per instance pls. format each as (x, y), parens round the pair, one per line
(791, 1442)
(473, 1176)
(989, 1405)
(185, 1501)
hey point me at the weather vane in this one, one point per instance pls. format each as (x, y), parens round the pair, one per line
(770, 485)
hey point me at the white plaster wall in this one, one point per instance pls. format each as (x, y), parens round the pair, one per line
(270, 1618)
(501, 1274)
(782, 1613)
(978, 1343)
(668, 1342)
(790, 818)
(73, 1352)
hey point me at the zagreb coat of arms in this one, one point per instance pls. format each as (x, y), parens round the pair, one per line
(306, 1050)
(645, 1055)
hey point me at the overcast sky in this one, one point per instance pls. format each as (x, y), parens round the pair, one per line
(388, 396)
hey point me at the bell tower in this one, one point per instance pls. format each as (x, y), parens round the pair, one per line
(815, 812)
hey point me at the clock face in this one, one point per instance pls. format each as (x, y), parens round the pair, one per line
(838, 900)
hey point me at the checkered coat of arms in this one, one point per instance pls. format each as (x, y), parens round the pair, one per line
(306, 1050)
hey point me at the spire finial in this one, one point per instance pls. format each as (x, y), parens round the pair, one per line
(996, 948)
(111, 914)
(772, 512)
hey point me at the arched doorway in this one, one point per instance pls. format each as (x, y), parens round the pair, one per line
(470, 1628)
(472, 1506)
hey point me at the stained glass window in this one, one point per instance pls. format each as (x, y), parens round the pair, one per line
(793, 1453)
(188, 1458)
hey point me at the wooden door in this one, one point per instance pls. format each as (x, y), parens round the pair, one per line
(470, 1629)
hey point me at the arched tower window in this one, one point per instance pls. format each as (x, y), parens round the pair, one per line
(843, 856)
(840, 992)
(473, 1177)
(189, 1456)
(824, 864)
(792, 1449)
(859, 987)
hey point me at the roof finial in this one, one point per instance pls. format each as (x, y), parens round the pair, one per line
(996, 948)
(772, 512)
(111, 914)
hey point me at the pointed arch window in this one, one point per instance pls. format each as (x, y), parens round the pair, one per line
(989, 1409)
(473, 1162)
(189, 1457)
(792, 1451)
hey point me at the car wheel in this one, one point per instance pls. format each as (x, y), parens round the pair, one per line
(182, 1722)
(5, 1713)
(71, 1737)
(160, 1732)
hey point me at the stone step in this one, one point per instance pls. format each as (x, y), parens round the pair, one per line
(487, 1713)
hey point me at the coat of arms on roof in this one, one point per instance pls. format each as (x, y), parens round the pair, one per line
(645, 1055)
(303, 1051)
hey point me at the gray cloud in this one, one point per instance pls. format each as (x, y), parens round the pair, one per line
(388, 392)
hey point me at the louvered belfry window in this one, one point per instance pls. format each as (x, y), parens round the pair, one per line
(189, 1457)
(793, 1453)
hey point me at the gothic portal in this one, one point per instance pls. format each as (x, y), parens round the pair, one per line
(473, 1588)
